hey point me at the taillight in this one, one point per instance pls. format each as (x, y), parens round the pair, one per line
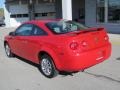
(84, 43)
(74, 45)
(106, 38)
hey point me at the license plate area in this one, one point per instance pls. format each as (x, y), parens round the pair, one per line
(100, 55)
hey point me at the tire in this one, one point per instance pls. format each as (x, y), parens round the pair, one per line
(47, 66)
(8, 50)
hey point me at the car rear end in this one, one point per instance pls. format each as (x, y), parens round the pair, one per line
(85, 49)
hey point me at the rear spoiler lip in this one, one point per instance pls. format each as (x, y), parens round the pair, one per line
(86, 31)
(90, 30)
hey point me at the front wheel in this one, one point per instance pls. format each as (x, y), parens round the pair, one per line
(47, 66)
(8, 50)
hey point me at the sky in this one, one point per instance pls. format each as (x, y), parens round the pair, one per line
(1, 3)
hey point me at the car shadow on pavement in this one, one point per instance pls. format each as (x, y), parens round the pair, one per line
(26, 61)
(62, 73)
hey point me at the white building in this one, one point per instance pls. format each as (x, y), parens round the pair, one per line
(91, 12)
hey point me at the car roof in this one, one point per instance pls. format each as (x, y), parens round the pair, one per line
(42, 21)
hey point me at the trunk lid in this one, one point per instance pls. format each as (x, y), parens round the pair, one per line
(91, 38)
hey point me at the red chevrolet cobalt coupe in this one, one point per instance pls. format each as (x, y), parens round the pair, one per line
(58, 45)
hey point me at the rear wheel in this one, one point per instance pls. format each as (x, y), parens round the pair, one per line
(8, 50)
(47, 66)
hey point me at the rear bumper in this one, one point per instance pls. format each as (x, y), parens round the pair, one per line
(84, 60)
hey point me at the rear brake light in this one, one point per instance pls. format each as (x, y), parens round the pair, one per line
(106, 38)
(84, 43)
(74, 45)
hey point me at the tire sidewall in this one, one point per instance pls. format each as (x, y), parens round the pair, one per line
(54, 71)
(10, 53)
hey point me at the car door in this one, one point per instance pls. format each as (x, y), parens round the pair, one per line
(19, 41)
(33, 43)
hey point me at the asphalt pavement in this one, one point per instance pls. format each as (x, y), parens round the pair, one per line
(16, 74)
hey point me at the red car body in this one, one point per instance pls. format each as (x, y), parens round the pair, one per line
(70, 52)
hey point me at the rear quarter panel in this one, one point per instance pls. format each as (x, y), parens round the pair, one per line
(55, 46)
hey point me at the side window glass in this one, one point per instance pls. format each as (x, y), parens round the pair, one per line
(38, 31)
(24, 30)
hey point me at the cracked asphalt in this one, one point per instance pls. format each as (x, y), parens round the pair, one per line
(16, 74)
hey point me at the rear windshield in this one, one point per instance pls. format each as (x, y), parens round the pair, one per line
(61, 27)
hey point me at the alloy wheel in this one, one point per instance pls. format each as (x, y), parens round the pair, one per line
(46, 66)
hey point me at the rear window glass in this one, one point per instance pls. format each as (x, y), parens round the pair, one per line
(61, 27)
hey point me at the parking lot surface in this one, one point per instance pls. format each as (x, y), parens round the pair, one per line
(18, 75)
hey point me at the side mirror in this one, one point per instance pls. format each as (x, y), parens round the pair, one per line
(12, 33)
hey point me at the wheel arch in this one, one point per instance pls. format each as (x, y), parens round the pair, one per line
(54, 57)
